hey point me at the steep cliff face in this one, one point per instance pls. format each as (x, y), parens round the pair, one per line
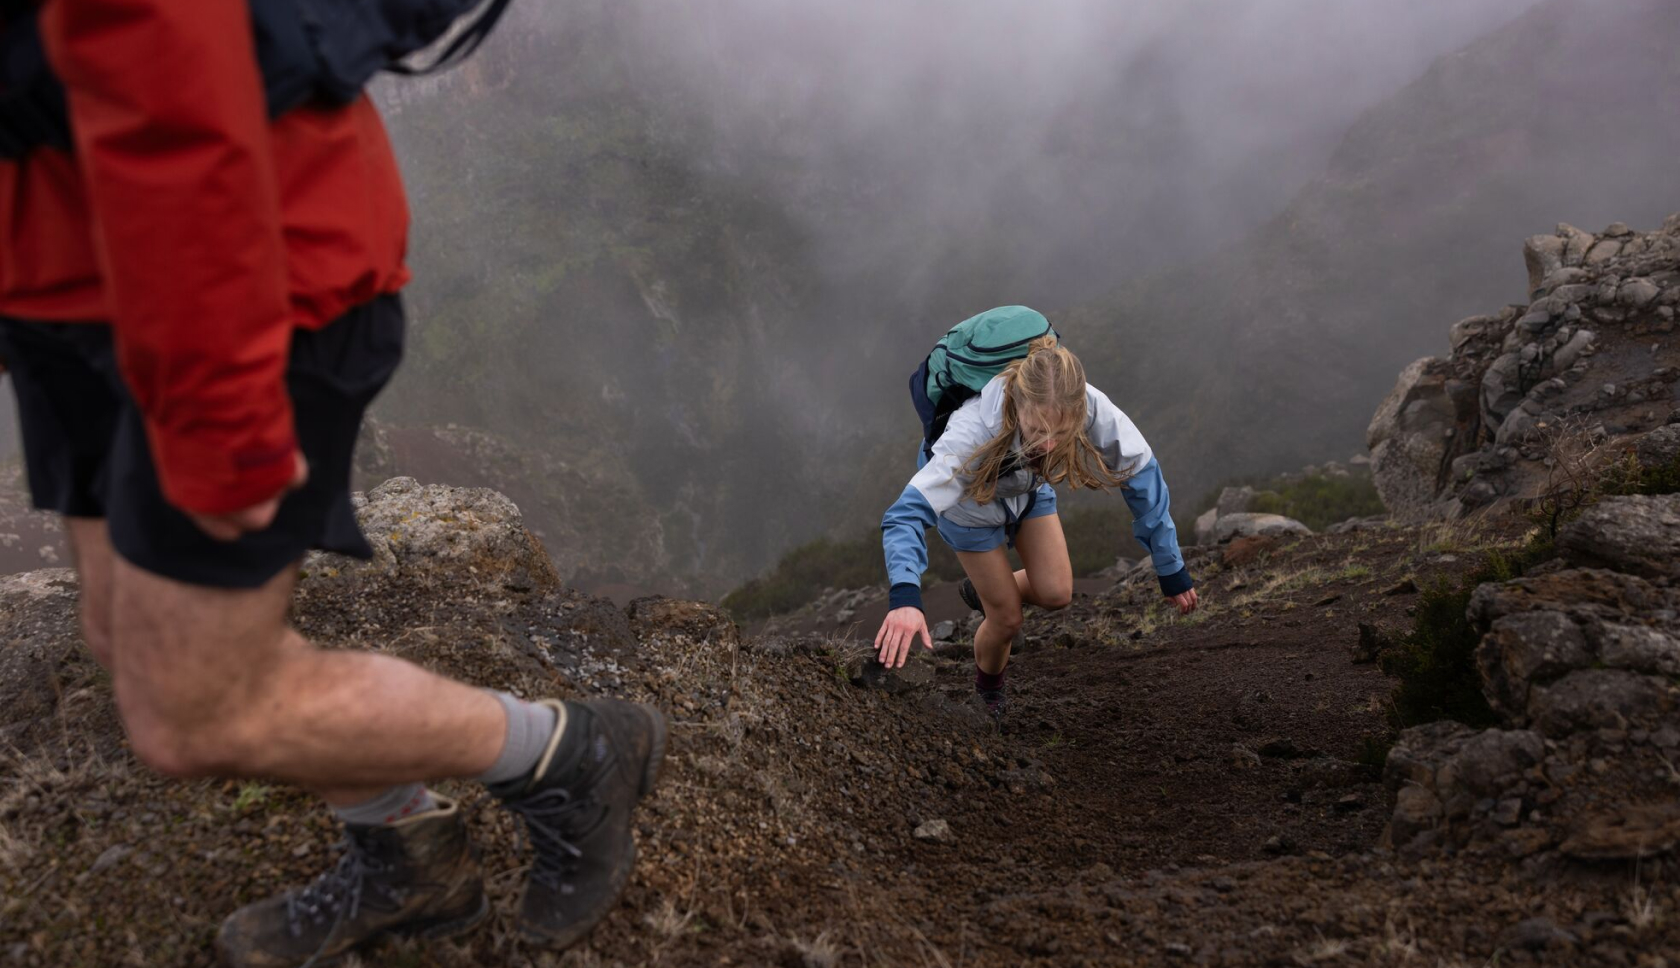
(1537, 398)
(1269, 355)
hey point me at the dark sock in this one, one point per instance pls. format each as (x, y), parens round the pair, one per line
(987, 681)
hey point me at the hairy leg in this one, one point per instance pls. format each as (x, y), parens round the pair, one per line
(1047, 579)
(1000, 599)
(90, 549)
(213, 682)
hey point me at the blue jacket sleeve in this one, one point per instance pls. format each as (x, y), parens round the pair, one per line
(1152, 525)
(904, 539)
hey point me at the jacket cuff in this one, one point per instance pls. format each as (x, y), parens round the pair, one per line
(905, 594)
(206, 479)
(1177, 583)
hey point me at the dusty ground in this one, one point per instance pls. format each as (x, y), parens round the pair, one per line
(1170, 791)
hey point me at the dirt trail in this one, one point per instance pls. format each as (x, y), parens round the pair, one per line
(1170, 792)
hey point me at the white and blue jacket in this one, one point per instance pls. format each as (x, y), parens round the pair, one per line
(937, 491)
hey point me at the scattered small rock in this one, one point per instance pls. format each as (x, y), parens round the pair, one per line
(937, 831)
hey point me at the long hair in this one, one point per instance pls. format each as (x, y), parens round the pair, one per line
(1048, 382)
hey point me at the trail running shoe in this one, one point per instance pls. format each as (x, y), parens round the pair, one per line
(416, 877)
(577, 815)
(970, 597)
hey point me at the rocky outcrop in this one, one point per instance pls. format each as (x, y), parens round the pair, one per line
(430, 532)
(1638, 535)
(1410, 436)
(1247, 525)
(1591, 356)
(1583, 664)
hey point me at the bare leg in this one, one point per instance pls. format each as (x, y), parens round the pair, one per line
(213, 682)
(1000, 599)
(1047, 579)
(90, 549)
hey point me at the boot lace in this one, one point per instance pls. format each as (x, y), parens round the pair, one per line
(338, 895)
(554, 820)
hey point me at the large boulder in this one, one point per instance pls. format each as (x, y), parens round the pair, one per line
(1590, 699)
(1639, 535)
(1522, 649)
(1409, 438)
(1659, 449)
(1248, 525)
(428, 533)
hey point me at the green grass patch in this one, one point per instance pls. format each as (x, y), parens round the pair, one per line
(250, 795)
(1318, 501)
(1628, 476)
(803, 573)
(1315, 500)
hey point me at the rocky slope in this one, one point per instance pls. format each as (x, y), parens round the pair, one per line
(1539, 396)
(1171, 791)
(1581, 659)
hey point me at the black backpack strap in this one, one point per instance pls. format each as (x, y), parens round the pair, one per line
(32, 107)
(462, 46)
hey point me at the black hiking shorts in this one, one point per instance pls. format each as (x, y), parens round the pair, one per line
(86, 453)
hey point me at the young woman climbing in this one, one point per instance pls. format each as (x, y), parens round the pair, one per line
(986, 479)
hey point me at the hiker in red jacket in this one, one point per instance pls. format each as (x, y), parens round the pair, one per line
(197, 302)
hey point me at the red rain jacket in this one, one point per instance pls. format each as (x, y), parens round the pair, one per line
(202, 231)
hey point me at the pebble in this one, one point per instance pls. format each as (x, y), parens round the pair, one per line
(937, 831)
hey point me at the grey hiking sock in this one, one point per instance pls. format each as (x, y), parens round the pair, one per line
(403, 800)
(529, 727)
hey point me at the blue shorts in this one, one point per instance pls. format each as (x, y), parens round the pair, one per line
(986, 539)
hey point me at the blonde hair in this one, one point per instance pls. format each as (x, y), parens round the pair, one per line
(1049, 382)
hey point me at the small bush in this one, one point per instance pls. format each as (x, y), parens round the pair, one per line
(1628, 476)
(1436, 661)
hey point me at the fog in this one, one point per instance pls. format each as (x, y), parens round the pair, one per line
(1104, 137)
(717, 235)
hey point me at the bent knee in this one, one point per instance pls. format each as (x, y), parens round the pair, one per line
(1056, 598)
(1007, 620)
(177, 746)
(177, 752)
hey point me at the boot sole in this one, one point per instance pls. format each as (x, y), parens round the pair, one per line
(436, 930)
(449, 928)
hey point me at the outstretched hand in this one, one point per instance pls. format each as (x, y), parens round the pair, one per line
(1186, 601)
(898, 634)
(235, 524)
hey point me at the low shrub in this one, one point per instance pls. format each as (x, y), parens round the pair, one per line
(1436, 661)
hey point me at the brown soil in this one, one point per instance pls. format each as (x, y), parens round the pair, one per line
(1169, 792)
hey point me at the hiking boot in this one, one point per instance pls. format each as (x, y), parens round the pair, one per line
(970, 597)
(576, 806)
(416, 877)
(996, 702)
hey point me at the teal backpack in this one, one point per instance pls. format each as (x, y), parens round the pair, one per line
(966, 359)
